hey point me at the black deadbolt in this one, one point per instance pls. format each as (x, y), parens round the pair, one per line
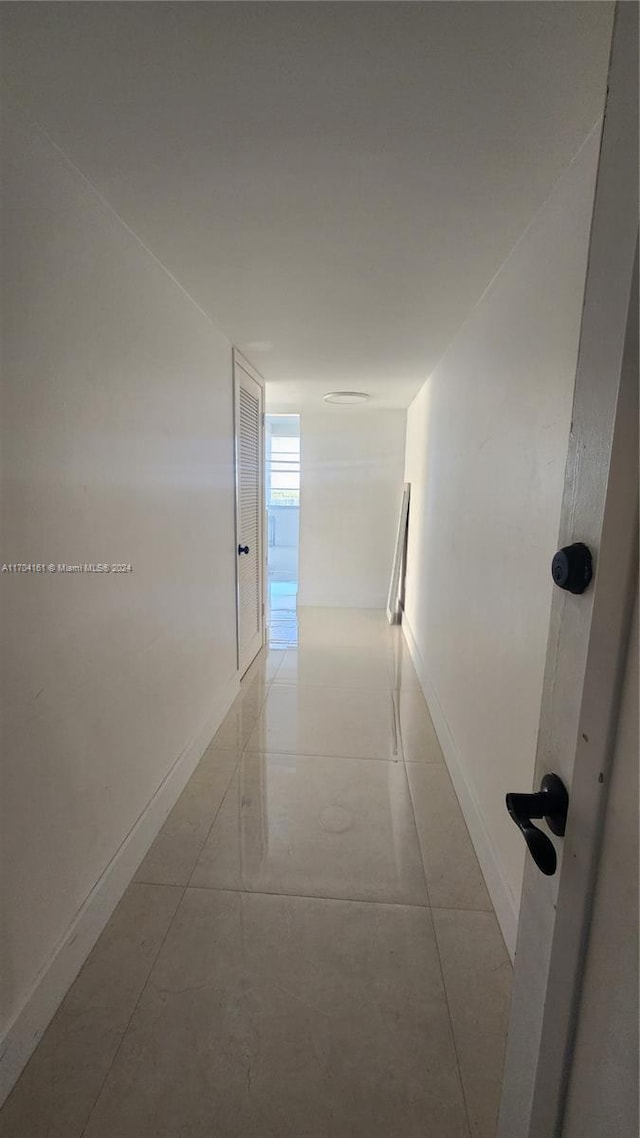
(572, 568)
(551, 803)
(243, 549)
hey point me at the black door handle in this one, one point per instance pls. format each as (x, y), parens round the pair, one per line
(243, 549)
(551, 802)
(572, 567)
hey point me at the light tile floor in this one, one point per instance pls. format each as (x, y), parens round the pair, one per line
(308, 949)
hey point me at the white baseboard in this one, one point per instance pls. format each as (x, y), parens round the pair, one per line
(502, 900)
(67, 959)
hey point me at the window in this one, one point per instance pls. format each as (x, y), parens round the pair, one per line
(283, 471)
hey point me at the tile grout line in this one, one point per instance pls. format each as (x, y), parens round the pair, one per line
(240, 756)
(181, 885)
(268, 686)
(240, 753)
(398, 749)
(239, 759)
(314, 755)
(391, 687)
(342, 758)
(309, 896)
(439, 955)
(214, 819)
(165, 885)
(281, 662)
(417, 832)
(453, 1031)
(394, 690)
(135, 1007)
(399, 756)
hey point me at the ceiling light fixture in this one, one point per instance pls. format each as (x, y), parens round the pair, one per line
(346, 397)
(259, 345)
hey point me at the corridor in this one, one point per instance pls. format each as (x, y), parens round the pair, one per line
(308, 949)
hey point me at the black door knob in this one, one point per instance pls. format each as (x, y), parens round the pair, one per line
(243, 549)
(551, 803)
(572, 567)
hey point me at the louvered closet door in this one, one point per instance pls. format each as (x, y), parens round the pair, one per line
(250, 498)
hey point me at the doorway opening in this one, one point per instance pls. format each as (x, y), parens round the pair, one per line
(282, 483)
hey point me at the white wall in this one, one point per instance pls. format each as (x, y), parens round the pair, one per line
(351, 475)
(486, 447)
(603, 1088)
(117, 447)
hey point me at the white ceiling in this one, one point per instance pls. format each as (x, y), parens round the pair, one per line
(337, 182)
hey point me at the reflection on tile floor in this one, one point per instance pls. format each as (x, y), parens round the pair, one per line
(308, 949)
(316, 827)
(283, 616)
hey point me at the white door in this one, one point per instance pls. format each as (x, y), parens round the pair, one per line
(249, 419)
(588, 631)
